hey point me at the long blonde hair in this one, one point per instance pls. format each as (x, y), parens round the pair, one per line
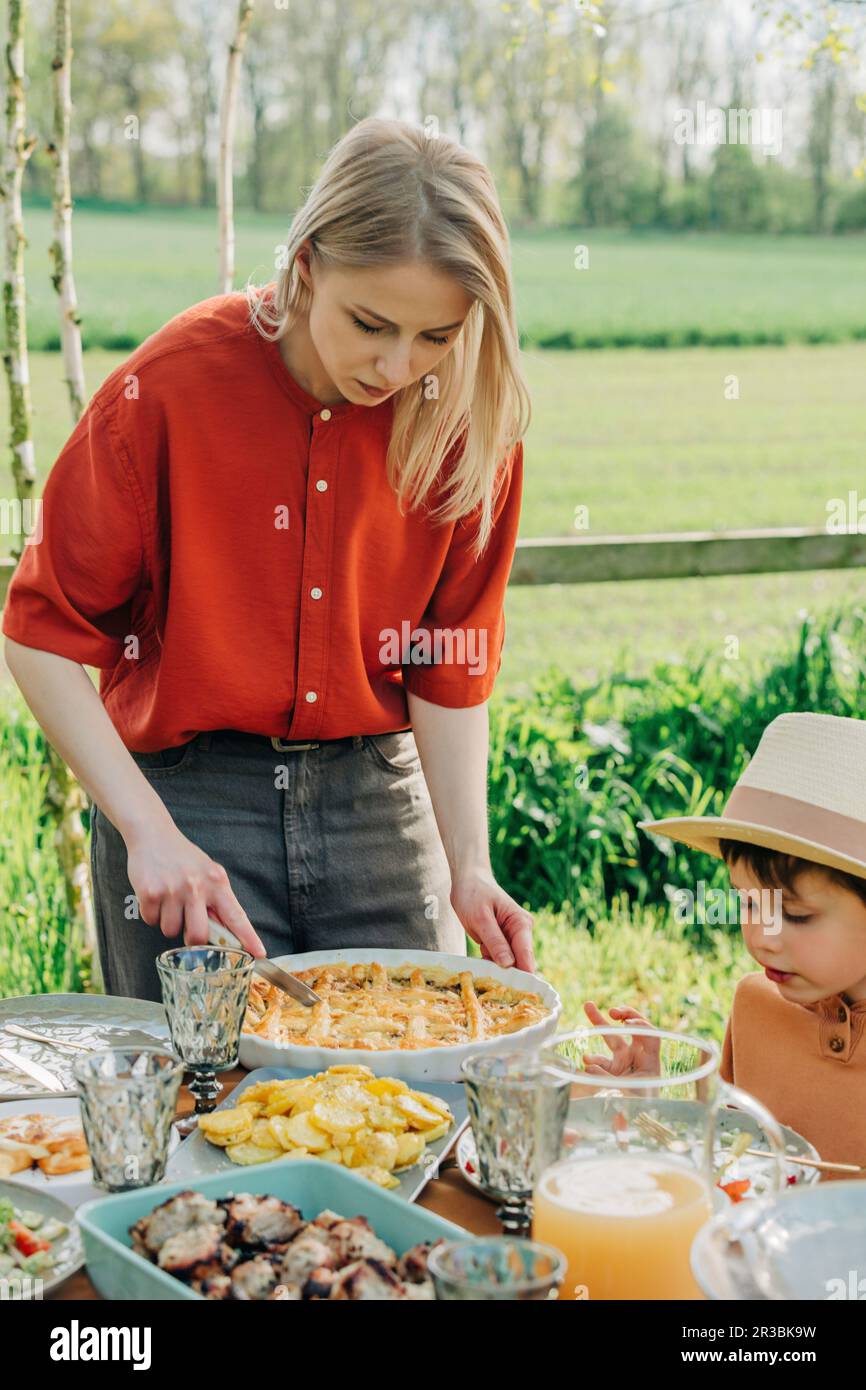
(390, 193)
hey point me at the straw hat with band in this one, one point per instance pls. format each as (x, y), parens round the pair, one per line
(803, 793)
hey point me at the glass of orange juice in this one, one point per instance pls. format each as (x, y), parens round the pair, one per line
(639, 1180)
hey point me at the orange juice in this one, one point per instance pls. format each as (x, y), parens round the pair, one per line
(625, 1223)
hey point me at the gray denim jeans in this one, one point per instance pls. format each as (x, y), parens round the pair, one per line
(333, 845)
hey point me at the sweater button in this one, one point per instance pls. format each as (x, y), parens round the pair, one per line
(325, 415)
(842, 1015)
(837, 1044)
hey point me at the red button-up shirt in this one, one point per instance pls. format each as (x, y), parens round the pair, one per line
(230, 553)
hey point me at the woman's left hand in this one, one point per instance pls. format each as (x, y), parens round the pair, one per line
(502, 928)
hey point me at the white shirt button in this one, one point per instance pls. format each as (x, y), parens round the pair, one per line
(325, 415)
(315, 593)
(311, 697)
(321, 485)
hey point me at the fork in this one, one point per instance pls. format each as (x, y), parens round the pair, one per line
(654, 1129)
(20, 1032)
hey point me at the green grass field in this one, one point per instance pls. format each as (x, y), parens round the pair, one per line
(647, 441)
(135, 268)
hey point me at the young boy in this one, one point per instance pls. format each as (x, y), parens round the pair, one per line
(796, 823)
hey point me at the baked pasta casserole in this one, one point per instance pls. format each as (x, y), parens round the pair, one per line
(377, 1007)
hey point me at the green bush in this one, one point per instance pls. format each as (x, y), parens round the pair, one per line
(573, 772)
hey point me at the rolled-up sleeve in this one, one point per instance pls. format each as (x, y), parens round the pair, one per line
(72, 589)
(463, 627)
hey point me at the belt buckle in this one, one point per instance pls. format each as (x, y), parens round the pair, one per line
(282, 747)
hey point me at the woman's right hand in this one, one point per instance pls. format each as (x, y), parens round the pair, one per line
(177, 885)
(639, 1057)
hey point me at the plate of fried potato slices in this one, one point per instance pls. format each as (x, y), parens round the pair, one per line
(380, 1127)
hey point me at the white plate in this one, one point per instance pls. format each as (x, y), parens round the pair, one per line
(759, 1171)
(96, 1020)
(197, 1158)
(72, 1188)
(67, 1250)
(423, 1064)
(806, 1243)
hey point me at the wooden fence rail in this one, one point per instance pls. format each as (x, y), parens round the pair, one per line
(684, 555)
(679, 555)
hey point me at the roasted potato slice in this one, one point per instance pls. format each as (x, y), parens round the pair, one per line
(224, 1127)
(417, 1114)
(331, 1117)
(383, 1115)
(251, 1153)
(439, 1132)
(377, 1151)
(410, 1147)
(386, 1086)
(263, 1136)
(432, 1103)
(300, 1131)
(380, 1176)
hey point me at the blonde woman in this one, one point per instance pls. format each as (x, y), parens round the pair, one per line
(282, 531)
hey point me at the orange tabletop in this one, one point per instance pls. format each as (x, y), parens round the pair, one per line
(449, 1195)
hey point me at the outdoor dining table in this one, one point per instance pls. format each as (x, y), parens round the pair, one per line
(449, 1195)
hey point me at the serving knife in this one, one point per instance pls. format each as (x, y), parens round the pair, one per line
(33, 1070)
(218, 935)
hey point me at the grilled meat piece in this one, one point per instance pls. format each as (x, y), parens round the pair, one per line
(367, 1280)
(211, 1281)
(326, 1219)
(255, 1222)
(423, 1291)
(306, 1253)
(412, 1266)
(285, 1293)
(320, 1283)
(180, 1213)
(355, 1239)
(254, 1279)
(194, 1247)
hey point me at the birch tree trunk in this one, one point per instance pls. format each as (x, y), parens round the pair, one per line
(64, 797)
(60, 250)
(228, 110)
(18, 150)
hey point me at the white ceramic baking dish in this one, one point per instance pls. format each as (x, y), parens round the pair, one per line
(422, 1064)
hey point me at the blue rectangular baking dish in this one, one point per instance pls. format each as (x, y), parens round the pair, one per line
(119, 1272)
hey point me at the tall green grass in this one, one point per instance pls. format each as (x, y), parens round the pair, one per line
(39, 947)
(644, 958)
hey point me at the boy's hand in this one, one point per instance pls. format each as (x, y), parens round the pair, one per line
(640, 1057)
